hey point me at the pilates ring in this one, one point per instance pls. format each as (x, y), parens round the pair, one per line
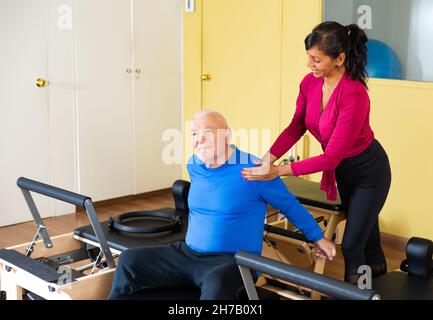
(173, 222)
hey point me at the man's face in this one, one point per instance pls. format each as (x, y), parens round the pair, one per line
(209, 138)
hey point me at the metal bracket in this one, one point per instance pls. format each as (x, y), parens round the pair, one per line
(42, 230)
(91, 213)
(29, 249)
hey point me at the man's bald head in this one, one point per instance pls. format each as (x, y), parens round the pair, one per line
(212, 116)
(211, 137)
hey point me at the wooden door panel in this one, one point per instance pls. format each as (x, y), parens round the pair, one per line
(24, 120)
(104, 98)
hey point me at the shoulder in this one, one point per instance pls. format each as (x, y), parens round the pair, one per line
(246, 159)
(353, 95)
(307, 80)
(353, 87)
(190, 160)
(193, 164)
(309, 84)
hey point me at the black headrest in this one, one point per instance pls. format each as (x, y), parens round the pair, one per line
(180, 191)
(419, 254)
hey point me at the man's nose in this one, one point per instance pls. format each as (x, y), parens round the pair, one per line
(201, 137)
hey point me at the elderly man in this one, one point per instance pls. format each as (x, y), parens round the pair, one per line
(226, 215)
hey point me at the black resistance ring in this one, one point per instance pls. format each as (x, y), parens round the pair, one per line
(173, 222)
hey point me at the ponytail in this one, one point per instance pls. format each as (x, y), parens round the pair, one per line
(356, 55)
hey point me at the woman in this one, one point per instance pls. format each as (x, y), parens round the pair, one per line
(333, 104)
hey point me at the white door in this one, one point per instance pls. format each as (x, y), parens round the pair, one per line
(104, 98)
(24, 114)
(157, 27)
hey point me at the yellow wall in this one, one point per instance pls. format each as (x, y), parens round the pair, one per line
(401, 113)
(401, 119)
(191, 76)
(299, 18)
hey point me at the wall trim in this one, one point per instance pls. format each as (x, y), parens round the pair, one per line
(396, 242)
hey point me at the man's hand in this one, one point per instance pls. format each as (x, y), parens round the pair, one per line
(325, 249)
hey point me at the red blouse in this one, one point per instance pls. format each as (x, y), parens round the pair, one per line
(343, 128)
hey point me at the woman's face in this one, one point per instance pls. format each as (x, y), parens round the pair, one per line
(323, 65)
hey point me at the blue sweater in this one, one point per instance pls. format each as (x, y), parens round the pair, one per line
(227, 212)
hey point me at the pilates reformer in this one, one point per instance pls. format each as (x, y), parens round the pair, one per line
(34, 267)
(283, 242)
(55, 268)
(65, 267)
(414, 280)
(249, 262)
(124, 231)
(41, 261)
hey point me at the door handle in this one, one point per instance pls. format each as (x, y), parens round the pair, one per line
(205, 77)
(41, 83)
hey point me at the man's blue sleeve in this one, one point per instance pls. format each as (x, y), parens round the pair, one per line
(275, 192)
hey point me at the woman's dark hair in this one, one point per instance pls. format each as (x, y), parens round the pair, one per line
(333, 38)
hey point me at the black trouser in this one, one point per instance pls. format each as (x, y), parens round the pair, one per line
(363, 183)
(177, 265)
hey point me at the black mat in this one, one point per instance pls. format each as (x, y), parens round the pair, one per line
(309, 193)
(400, 286)
(34, 267)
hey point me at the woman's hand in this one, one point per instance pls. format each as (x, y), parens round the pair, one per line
(325, 249)
(266, 171)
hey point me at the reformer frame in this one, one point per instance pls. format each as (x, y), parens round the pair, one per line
(26, 267)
